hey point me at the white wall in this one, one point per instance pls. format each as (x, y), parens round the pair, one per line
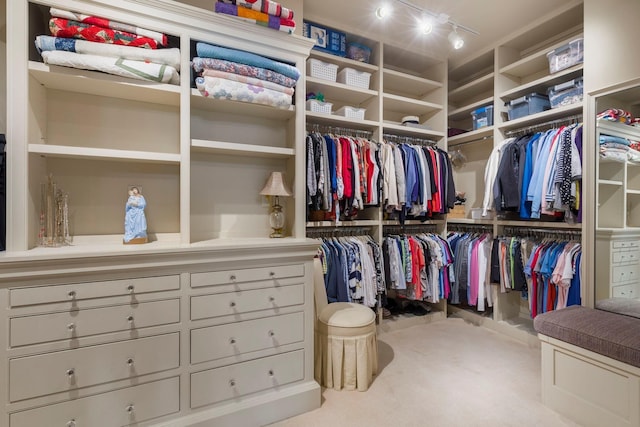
(3, 66)
(612, 36)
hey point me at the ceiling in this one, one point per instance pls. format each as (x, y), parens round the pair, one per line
(493, 19)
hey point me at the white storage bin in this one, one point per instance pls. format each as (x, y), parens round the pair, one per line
(322, 70)
(351, 112)
(352, 77)
(316, 106)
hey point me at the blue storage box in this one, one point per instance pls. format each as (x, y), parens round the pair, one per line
(482, 117)
(526, 105)
(327, 39)
(567, 93)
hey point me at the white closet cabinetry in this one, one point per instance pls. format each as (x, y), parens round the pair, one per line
(209, 324)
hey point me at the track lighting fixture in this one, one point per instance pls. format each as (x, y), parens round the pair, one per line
(427, 20)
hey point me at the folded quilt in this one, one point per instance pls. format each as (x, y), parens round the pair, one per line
(201, 64)
(616, 115)
(616, 139)
(285, 25)
(218, 52)
(118, 66)
(61, 27)
(265, 6)
(251, 81)
(159, 56)
(106, 23)
(214, 87)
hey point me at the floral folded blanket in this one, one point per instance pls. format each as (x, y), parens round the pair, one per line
(159, 56)
(206, 50)
(269, 7)
(107, 23)
(61, 27)
(249, 15)
(118, 66)
(217, 88)
(251, 81)
(201, 64)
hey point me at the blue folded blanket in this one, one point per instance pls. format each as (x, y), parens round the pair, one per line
(615, 139)
(210, 51)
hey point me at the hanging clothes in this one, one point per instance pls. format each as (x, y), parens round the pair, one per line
(471, 279)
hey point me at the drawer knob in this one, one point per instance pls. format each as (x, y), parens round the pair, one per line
(272, 273)
(272, 299)
(71, 327)
(131, 289)
(232, 277)
(130, 319)
(232, 383)
(270, 372)
(272, 334)
(130, 361)
(72, 294)
(130, 408)
(232, 304)
(232, 341)
(71, 372)
(71, 423)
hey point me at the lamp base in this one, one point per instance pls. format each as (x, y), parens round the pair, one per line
(276, 233)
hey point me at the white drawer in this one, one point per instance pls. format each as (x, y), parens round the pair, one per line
(619, 244)
(78, 323)
(244, 337)
(625, 257)
(73, 369)
(234, 381)
(625, 273)
(79, 291)
(229, 303)
(123, 407)
(625, 291)
(246, 275)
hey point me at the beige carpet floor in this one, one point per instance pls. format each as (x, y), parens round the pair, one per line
(447, 373)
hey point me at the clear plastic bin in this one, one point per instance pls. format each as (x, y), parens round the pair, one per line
(356, 78)
(358, 52)
(482, 117)
(316, 106)
(567, 93)
(322, 70)
(351, 112)
(566, 56)
(526, 105)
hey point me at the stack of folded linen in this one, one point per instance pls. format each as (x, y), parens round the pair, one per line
(98, 44)
(267, 13)
(224, 73)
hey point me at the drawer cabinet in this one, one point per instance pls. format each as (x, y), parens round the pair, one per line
(122, 407)
(234, 303)
(625, 256)
(625, 291)
(625, 273)
(72, 369)
(246, 275)
(231, 382)
(244, 337)
(80, 291)
(73, 324)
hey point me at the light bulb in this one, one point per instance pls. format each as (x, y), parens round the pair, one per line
(382, 12)
(456, 40)
(425, 26)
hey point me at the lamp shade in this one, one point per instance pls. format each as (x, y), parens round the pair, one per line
(275, 186)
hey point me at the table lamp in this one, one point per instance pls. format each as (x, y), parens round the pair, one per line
(275, 187)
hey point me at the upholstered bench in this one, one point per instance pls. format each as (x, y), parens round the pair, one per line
(591, 365)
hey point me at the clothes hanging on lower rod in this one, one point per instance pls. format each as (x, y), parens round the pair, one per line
(471, 283)
(353, 269)
(547, 271)
(418, 266)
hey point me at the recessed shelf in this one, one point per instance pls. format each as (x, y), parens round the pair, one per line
(232, 148)
(399, 129)
(481, 134)
(102, 84)
(540, 85)
(395, 81)
(334, 91)
(238, 107)
(334, 120)
(408, 105)
(103, 153)
(343, 62)
(470, 221)
(465, 112)
(554, 113)
(472, 89)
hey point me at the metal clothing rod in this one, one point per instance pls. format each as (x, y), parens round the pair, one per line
(341, 231)
(484, 138)
(358, 133)
(545, 125)
(470, 227)
(408, 139)
(409, 229)
(519, 231)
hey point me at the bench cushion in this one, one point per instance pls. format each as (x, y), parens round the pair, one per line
(626, 306)
(610, 334)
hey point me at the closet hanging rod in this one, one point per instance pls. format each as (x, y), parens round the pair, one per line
(519, 231)
(358, 133)
(483, 138)
(338, 231)
(409, 229)
(550, 124)
(470, 227)
(408, 139)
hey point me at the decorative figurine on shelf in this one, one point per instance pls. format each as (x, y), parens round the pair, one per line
(135, 222)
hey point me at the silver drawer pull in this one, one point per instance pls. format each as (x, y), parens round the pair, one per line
(71, 327)
(271, 333)
(272, 273)
(232, 341)
(232, 383)
(71, 372)
(131, 289)
(232, 277)
(130, 408)
(72, 294)
(130, 361)
(270, 372)
(232, 304)
(272, 299)
(130, 319)
(71, 423)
